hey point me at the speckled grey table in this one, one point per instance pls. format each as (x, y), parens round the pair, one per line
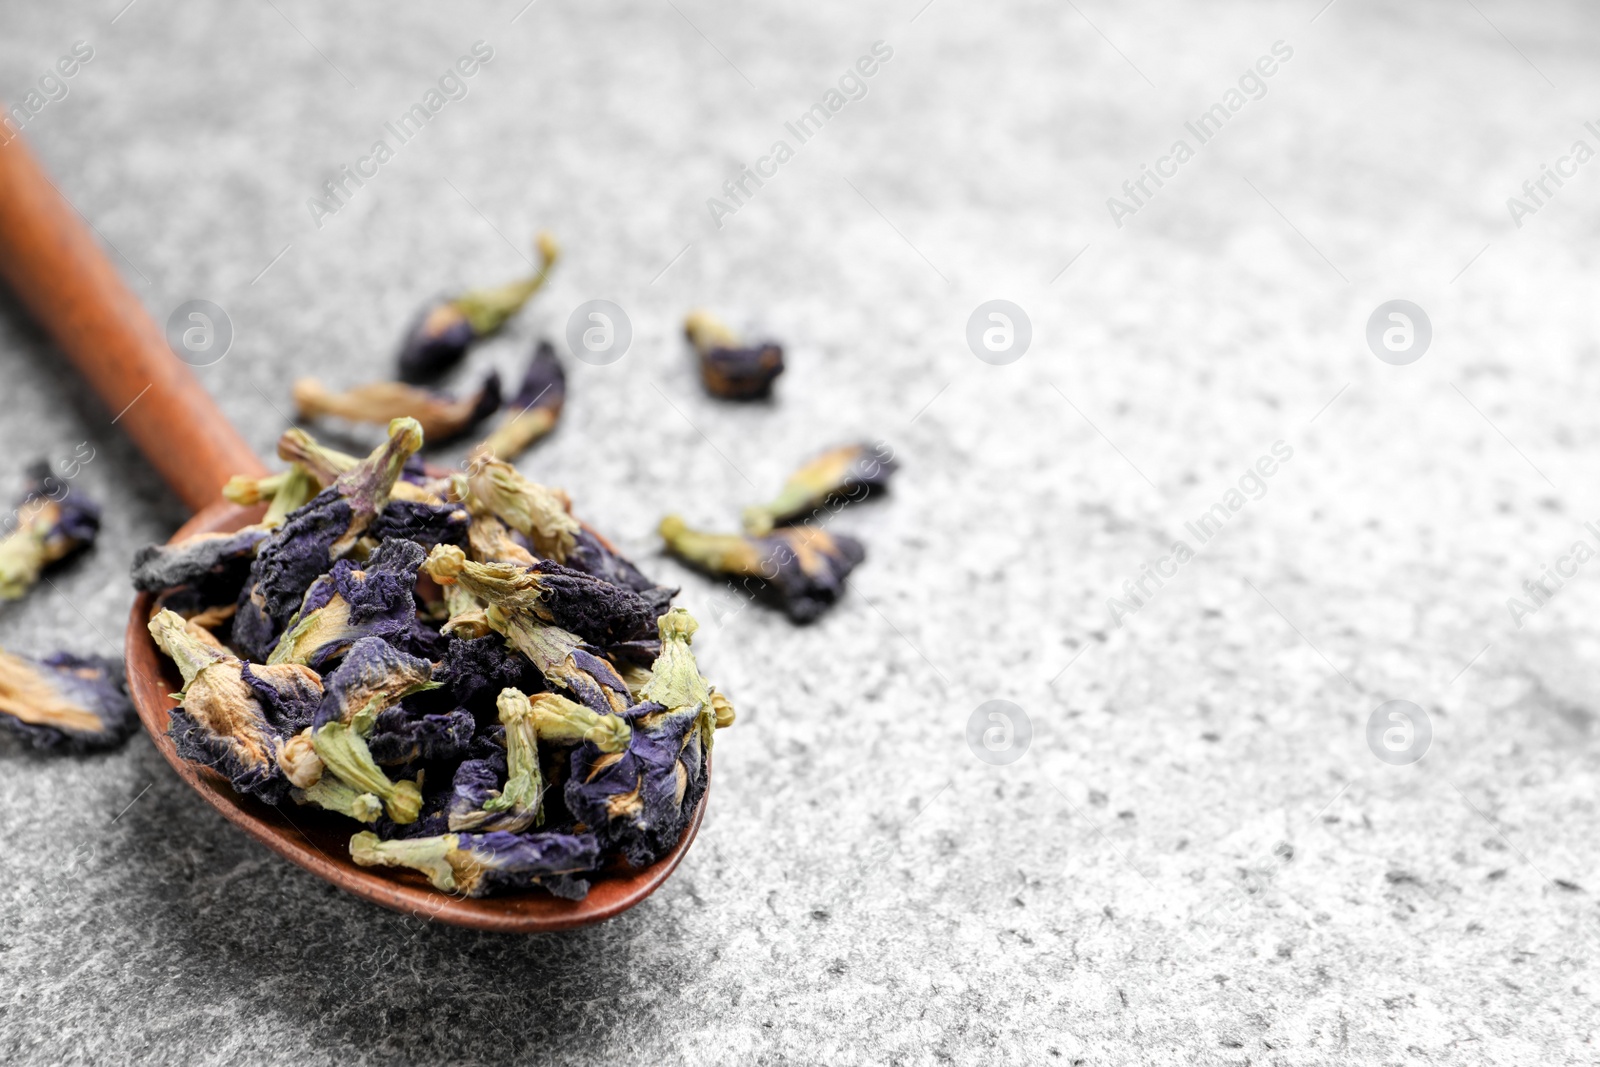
(1198, 859)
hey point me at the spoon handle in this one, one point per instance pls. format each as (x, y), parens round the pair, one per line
(53, 263)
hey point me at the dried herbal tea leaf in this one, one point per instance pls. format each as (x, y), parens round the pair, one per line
(314, 537)
(534, 410)
(728, 369)
(539, 513)
(52, 521)
(800, 568)
(65, 702)
(848, 473)
(441, 417)
(442, 333)
(478, 864)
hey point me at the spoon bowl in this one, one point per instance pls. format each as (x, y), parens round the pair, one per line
(318, 841)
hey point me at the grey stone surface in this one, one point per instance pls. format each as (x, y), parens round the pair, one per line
(1197, 860)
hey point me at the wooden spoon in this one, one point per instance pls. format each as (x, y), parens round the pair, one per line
(58, 271)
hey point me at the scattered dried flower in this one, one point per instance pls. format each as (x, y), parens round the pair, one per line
(534, 410)
(728, 369)
(801, 568)
(65, 702)
(848, 473)
(53, 521)
(442, 333)
(441, 417)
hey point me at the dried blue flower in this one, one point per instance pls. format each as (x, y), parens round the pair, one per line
(374, 677)
(52, 522)
(541, 514)
(352, 601)
(399, 737)
(442, 417)
(314, 537)
(479, 800)
(640, 799)
(476, 865)
(474, 671)
(443, 332)
(800, 568)
(729, 369)
(220, 723)
(66, 702)
(848, 473)
(209, 558)
(425, 524)
(516, 608)
(324, 465)
(592, 555)
(534, 410)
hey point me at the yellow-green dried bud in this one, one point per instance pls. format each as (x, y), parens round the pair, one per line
(564, 722)
(345, 753)
(334, 795)
(538, 512)
(299, 762)
(430, 855)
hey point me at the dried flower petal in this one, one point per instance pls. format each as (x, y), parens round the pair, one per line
(220, 724)
(442, 333)
(425, 524)
(640, 800)
(473, 672)
(204, 558)
(314, 538)
(441, 417)
(728, 369)
(326, 464)
(374, 677)
(537, 512)
(477, 864)
(491, 541)
(534, 410)
(352, 601)
(801, 568)
(850, 472)
(400, 738)
(517, 610)
(53, 521)
(67, 702)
